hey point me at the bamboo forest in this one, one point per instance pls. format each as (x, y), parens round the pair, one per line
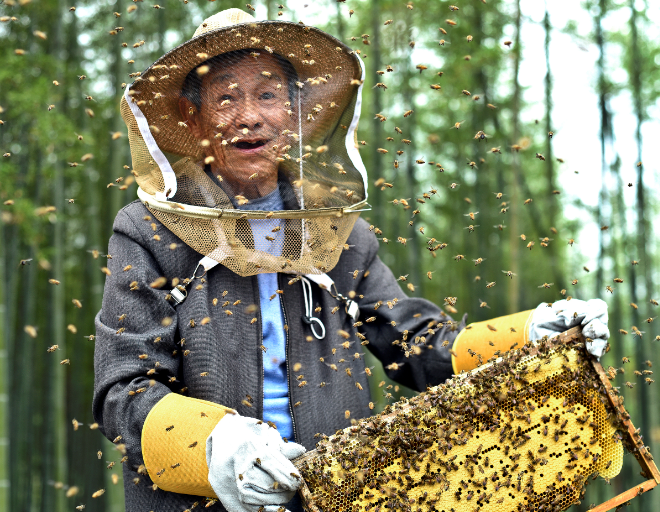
(510, 149)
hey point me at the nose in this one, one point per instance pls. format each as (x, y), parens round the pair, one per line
(249, 116)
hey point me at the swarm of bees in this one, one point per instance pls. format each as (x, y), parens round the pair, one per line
(424, 453)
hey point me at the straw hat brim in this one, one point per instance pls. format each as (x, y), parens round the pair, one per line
(312, 52)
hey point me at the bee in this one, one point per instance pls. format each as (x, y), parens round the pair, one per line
(480, 135)
(65, 361)
(509, 273)
(471, 227)
(490, 285)
(407, 113)
(459, 257)
(479, 261)
(483, 304)
(546, 285)
(471, 215)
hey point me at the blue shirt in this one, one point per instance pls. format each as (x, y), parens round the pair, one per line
(276, 387)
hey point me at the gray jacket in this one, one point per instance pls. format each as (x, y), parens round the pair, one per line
(130, 324)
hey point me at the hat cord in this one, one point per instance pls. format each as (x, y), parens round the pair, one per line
(302, 198)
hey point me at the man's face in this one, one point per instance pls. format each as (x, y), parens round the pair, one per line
(246, 101)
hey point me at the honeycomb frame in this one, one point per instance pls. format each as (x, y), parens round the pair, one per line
(421, 455)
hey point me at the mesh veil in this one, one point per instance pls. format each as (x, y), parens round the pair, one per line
(242, 110)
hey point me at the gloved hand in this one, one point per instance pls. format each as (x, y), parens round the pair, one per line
(246, 458)
(564, 314)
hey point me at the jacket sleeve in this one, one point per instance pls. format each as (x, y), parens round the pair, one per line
(137, 370)
(405, 333)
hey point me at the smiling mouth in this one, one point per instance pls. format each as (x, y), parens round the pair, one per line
(241, 144)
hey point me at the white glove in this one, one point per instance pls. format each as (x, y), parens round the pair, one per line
(564, 314)
(245, 458)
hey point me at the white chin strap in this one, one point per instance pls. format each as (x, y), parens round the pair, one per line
(180, 292)
(351, 149)
(169, 178)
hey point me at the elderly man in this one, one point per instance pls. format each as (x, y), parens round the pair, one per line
(243, 285)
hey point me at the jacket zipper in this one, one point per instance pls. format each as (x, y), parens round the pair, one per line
(288, 365)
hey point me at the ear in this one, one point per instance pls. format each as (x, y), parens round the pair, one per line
(191, 115)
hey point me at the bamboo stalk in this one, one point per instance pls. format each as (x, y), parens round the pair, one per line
(513, 286)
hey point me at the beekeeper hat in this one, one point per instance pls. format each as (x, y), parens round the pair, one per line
(322, 167)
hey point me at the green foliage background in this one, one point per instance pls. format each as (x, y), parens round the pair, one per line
(61, 185)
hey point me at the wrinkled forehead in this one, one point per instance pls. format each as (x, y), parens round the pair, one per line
(244, 69)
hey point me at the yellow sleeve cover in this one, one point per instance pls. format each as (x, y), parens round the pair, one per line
(174, 443)
(502, 332)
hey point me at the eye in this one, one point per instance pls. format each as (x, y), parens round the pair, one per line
(267, 96)
(226, 97)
